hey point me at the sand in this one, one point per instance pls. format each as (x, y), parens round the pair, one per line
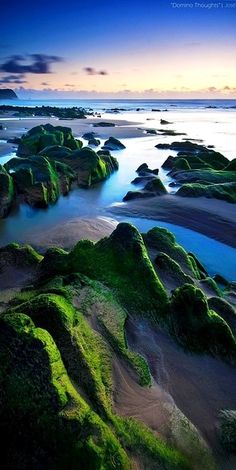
(199, 385)
(123, 128)
(211, 217)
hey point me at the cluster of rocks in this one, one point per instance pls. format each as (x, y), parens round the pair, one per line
(153, 185)
(48, 111)
(201, 171)
(49, 159)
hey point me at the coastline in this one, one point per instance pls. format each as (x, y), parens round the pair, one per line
(213, 218)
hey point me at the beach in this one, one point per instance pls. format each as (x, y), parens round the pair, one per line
(185, 390)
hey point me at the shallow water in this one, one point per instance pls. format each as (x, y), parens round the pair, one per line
(214, 125)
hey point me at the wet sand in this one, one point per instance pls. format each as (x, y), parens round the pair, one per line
(200, 385)
(211, 217)
(66, 235)
(122, 129)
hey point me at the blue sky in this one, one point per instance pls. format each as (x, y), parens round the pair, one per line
(151, 47)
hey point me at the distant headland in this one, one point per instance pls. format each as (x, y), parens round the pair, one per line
(8, 94)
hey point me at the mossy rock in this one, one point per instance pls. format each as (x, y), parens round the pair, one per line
(80, 347)
(231, 166)
(206, 175)
(36, 178)
(225, 192)
(170, 271)
(56, 152)
(113, 144)
(15, 255)
(7, 192)
(181, 164)
(114, 261)
(44, 136)
(228, 430)
(197, 327)
(224, 309)
(38, 399)
(163, 241)
(156, 186)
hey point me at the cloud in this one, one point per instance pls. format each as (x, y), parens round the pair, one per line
(17, 79)
(40, 64)
(92, 71)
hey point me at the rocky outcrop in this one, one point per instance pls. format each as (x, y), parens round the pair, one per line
(8, 94)
(113, 144)
(7, 192)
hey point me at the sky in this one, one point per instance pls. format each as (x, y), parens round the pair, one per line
(112, 49)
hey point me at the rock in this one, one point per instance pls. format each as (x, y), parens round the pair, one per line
(181, 164)
(224, 309)
(94, 142)
(163, 241)
(8, 94)
(162, 121)
(50, 111)
(113, 144)
(7, 192)
(41, 137)
(168, 164)
(14, 140)
(224, 191)
(156, 186)
(231, 166)
(227, 431)
(15, 255)
(90, 167)
(151, 131)
(56, 152)
(137, 195)
(142, 179)
(142, 167)
(88, 135)
(170, 271)
(162, 146)
(36, 179)
(197, 327)
(103, 124)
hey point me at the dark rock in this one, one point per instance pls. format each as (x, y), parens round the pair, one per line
(162, 121)
(8, 94)
(94, 142)
(103, 124)
(7, 192)
(113, 144)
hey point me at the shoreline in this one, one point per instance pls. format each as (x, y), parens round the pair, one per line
(211, 217)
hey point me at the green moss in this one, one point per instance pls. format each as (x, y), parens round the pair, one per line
(111, 318)
(38, 399)
(116, 260)
(231, 166)
(171, 270)
(197, 327)
(181, 164)
(163, 241)
(7, 192)
(228, 430)
(142, 443)
(226, 191)
(19, 256)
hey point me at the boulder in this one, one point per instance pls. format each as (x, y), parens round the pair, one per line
(113, 144)
(94, 142)
(103, 124)
(197, 327)
(7, 192)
